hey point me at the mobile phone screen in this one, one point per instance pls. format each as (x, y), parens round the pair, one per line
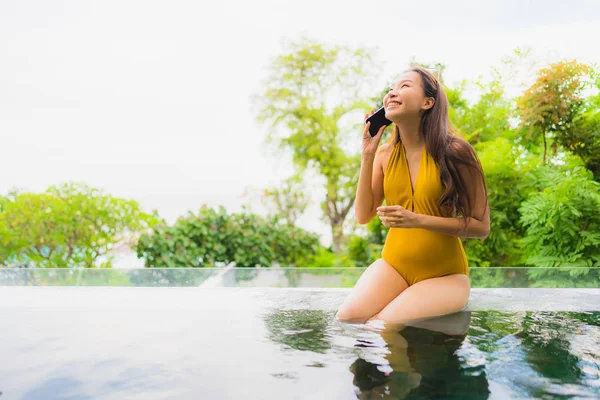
(377, 120)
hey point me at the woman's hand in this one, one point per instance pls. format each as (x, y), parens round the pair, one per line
(398, 217)
(369, 144)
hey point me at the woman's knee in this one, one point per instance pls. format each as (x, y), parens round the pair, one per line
(346, 314)
(379, 284)
(341, 315)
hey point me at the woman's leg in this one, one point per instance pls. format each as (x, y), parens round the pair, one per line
(377, 286)
(428, 298)
(453, 324)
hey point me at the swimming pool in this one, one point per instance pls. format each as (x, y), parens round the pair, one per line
(158, 339)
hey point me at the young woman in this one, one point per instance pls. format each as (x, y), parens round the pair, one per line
(435, 192)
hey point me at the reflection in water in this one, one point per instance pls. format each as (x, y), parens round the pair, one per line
(466, 355)
(118, 343)
(300, 329)
(420, 361)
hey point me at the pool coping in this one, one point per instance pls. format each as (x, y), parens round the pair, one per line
(329, 299)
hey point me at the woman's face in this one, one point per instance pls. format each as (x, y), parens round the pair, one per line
(406, 98)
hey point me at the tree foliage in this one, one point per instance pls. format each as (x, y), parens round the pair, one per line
(551, 104)
(561, 220)
(288, 201)
(213, 236)
(71, 225)
(309, 92)
(583, 136)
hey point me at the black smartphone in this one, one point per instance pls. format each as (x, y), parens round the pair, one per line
(377, 120)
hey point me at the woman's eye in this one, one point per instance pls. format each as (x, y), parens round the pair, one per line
(404, 85)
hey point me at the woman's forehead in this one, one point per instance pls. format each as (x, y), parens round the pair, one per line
(413, 76)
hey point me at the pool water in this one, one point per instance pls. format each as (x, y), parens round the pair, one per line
(254, 343)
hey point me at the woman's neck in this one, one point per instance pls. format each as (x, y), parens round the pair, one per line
(410, 134)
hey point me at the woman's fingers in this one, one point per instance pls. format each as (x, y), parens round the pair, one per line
(389, 210)
(388, 213)
(391, 220)
(389, 223)
(366, 130)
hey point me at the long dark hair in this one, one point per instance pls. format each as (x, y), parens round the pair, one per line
(448, 150)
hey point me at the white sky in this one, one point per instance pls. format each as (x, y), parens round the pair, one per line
(150, 100)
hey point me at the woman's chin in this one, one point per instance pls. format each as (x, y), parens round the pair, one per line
(397, 116)
(393, 115)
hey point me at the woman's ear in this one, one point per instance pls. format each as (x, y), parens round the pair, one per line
(429, 102)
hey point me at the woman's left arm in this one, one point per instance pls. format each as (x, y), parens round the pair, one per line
(455, 226)
(478, 224)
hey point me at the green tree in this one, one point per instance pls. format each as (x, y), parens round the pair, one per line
(582, 138)
(309, 96)
(457, 104)
(67, 226)
(288, 201)
(487, 118)
(552, 102)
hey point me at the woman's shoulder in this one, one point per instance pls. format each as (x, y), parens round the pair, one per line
(386, 148)
(383, 155)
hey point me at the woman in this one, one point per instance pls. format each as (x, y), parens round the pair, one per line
(435, 193)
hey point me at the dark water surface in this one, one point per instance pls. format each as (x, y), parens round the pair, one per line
(252, 343)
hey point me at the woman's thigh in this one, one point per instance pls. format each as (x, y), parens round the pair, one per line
(377, 286)
(428, 298)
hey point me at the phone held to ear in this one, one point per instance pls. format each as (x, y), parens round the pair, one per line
(377, 120)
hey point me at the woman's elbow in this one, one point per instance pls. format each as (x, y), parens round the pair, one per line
(363, 218)
(486, 233)
(479, 233)
(482, 227)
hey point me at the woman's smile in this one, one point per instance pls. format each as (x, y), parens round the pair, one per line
(393, 104)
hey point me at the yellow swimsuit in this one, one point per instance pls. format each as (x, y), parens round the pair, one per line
(419, 254)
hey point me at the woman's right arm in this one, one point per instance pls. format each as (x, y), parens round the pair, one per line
(369, 194)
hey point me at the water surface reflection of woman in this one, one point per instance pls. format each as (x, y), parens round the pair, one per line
(420, 361)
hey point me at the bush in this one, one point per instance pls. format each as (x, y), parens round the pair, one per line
(213, 236)
(561, 220)
(325, 258)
